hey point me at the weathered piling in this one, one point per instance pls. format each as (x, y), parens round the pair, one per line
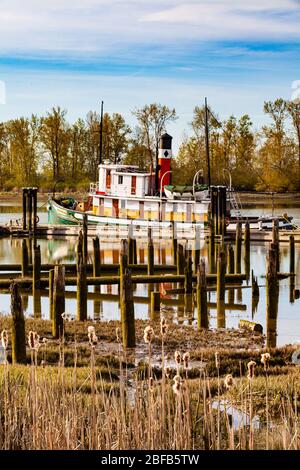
(150, 256)
(96, 257)
(212, 248)
(34, 203)
(84, 238)
(180, 259)
(247, 249)
(221, 272)
(275, 243)
(81, 291)
(174, 241)
(154, 305)
(251, 325)
(25, 258)
(238, 247)
(51, 285)
(18, 327)
(24, 208)
(134, 252)
(123, 256)
(58, 301)
(196, 251)
(127, 310)
(202, 314)
(230, 270)
(188, 272)
(272, 292)
(29, 204)
(79, 248)
(292, 268)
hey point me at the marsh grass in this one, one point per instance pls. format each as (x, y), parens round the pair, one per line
(76, 394)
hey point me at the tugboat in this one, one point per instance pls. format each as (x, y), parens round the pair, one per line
(126, 195)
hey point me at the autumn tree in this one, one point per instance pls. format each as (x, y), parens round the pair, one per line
(55, 139)
(152, 120)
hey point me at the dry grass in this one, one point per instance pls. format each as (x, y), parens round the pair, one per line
(75, 396)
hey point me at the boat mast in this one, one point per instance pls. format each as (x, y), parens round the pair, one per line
(101, 135)
(207, 143)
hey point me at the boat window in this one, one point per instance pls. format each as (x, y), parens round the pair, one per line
(123, 203)
(120, 179)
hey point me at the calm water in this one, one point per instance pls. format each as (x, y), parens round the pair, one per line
(105, 306)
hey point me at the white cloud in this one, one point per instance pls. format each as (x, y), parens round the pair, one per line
(104, 25)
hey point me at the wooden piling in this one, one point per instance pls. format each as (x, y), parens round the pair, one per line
(230, 270)
(221, 273)
(24, 208)
(58, 301)
(202, 314)
(81, 291)
(275, 243)
(154, 304)
(96, 258)
(174, 241)
(18, 327)
(85, 239)
(292, 254)
(79, 248)
(180, 259)
(34, 202)
(272, 292)
(127, 310)
(150, 256)
(29, 200)
(25, 258)
(124, 255)
(188, 272)
(238, 247)
(51, 284)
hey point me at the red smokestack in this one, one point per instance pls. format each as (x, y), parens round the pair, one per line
(164, 160)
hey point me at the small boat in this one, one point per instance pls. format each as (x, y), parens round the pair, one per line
(198, 192)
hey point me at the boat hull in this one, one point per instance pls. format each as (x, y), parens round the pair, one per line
(58, 214)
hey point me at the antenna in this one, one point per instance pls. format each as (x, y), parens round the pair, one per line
(101, 135)
(207, 143)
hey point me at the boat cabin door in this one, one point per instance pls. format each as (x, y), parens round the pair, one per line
(115, 207)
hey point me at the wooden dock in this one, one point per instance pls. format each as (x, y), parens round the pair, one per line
(114, 233)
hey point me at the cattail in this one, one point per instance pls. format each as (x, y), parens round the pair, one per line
(148, 334)
(168, 371)
(228, 381)
(163, 327)
(177, 357)
(67, 317)
(186, 358)
(118, 334)
(251, 365)
(33, 340)
(177, 385)
(4, 339)
(93, 338)
(265, 360)
(151, 382)
(217, 360)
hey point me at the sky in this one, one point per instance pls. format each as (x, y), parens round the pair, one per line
(75, 53)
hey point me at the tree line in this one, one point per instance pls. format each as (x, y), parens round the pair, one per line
(45, 150)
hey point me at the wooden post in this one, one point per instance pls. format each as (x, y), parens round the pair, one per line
(130, 250)
(34, 197)
(292, 268)
(196, 248)
(150, 257)
(292, 254)
(188, 271)
(25, 260)
(174, 241)
(230, 269)
(127, 310)
(123, 257)
(29, 199)
(238, 247)
(85, 239)
(221, 272)
(24, 206)
(212, 248)
(58, 301)
(51, 285)
(96, 258)
(134, 252)
(36, 268)
(18, 327)
(247, 249)
(272, 297)
(202, 296)
(180, 259)
(79, 250)
(275, 242)
(81, 291)
(154, 304)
